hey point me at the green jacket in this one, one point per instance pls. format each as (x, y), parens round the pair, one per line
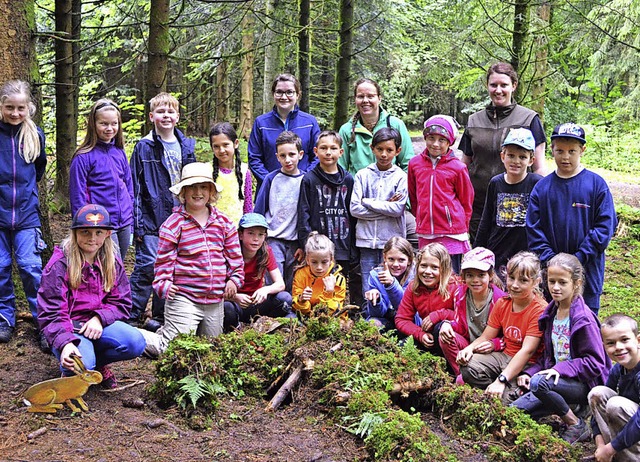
(358, 154)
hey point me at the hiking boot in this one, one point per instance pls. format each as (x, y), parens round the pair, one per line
(5, 334)
(109, 381)
(151, 325)
(576, 433)
(42, 343)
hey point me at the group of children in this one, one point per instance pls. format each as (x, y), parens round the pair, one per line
(214, 262)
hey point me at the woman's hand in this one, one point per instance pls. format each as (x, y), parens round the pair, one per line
(373, 296)
(447, 333)
(484, 347)
(524, 381)
(496, 388)
(92, 329)
(427, 340)
(550, 373)
(65, 355)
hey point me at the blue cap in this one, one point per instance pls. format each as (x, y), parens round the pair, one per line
(91, 216)
(520, 137)
(249, 220)
(569, 130)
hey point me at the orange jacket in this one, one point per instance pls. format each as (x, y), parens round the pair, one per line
(304, 278)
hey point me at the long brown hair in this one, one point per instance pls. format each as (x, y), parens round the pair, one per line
(91, 137)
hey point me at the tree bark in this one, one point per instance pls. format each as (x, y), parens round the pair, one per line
(17, 47)
(157, 50)
(270, 54)
(538, 90)
(520, 31)
(222, 92)
(304, 62)
(343, 68)
(246, 98)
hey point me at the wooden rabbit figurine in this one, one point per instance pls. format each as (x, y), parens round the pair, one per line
(49, 395)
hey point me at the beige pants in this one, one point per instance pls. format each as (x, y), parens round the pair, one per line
(484, 369)
(182, 316)
(613, 412)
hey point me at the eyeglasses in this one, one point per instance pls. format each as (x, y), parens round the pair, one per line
(288, 93)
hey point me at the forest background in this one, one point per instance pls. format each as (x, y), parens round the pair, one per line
(578, 61)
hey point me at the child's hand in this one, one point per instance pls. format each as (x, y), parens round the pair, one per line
(464, 356)
(395, 198)
(605, 453)
(496, 389)
(373, 296)
(550, 373)
(243, 300)
(427, 325)
(65, 355)
(230, 290)
(92, 329)
(173, 290)
(447, 333)
(385, 276)
(306, 294)
(298, 255)
(484, 347)
(427, 340)
(524, 381)
(260, 295)
(329, 283)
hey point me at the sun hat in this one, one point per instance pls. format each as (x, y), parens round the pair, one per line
(442, 125)
(520, 137)
(569, 130)
(479, 258)
(91, 216)
(249, 220)
(193, 173)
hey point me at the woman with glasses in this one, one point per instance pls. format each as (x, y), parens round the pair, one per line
(285, 116)
(357, 133)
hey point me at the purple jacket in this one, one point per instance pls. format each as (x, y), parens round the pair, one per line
(59, 305)
(102, 176)
(589, 362)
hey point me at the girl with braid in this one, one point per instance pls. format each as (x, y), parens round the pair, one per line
(234, 179)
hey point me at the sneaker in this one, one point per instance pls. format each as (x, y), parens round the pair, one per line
(151, 325)
(576, 433)
(42, 343)
(5, 334)
(109, 381)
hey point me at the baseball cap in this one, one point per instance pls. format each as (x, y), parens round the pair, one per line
(520, 137)
(193, 173)
(479, 258)
(91, 216)
(249, 220)
(569, 130)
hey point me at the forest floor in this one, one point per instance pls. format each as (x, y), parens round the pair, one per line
(113, 430)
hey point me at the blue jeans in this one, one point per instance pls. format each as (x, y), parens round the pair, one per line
(283, 251)
(275, 306)
(546, 398)
(26, 245)
(142, 278)
(119, 342)
(122, 239)
(369, 259)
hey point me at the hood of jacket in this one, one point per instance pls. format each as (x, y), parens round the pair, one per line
(334, 179)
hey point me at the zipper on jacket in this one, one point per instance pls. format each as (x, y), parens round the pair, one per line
(13, 187)
(446, 209)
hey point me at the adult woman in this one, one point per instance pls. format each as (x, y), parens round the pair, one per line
(357, 133)
(285, 116)
(487, 128)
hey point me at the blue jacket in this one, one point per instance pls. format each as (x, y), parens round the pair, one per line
(589, 363)
(102, 176)
(390, 297)
(262, 142)
(152, 200)
(18, 190)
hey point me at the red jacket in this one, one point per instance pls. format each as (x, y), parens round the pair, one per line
(425, 303)
(441, 196)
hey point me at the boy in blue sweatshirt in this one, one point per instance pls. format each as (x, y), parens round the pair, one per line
(616, 417)
(571, 211)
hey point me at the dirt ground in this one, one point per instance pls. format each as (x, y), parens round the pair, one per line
(114, 431)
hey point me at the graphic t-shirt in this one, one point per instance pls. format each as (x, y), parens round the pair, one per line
(560, 333)
(172, 160)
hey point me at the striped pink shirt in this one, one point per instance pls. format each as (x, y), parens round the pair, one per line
(198, 260)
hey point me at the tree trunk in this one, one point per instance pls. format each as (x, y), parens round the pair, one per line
(66, 99)
(343, 69)
(542, 65)
(222, 95)
(17, 47)
(158, 50)
(246, 101)
(304, 62)
(520, 30)
(270, 54)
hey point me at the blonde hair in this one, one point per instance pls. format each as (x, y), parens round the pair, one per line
(441, 253)
(75, 261)
(525, 264)
(28, 136)
(213, 193)
(571, 265)
(317, 242)
(91, 137)
(404, 247)
(164, 98)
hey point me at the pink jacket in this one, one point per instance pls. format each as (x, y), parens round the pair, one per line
(441, 196)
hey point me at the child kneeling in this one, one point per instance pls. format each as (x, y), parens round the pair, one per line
(254, 297)
(84, 296)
